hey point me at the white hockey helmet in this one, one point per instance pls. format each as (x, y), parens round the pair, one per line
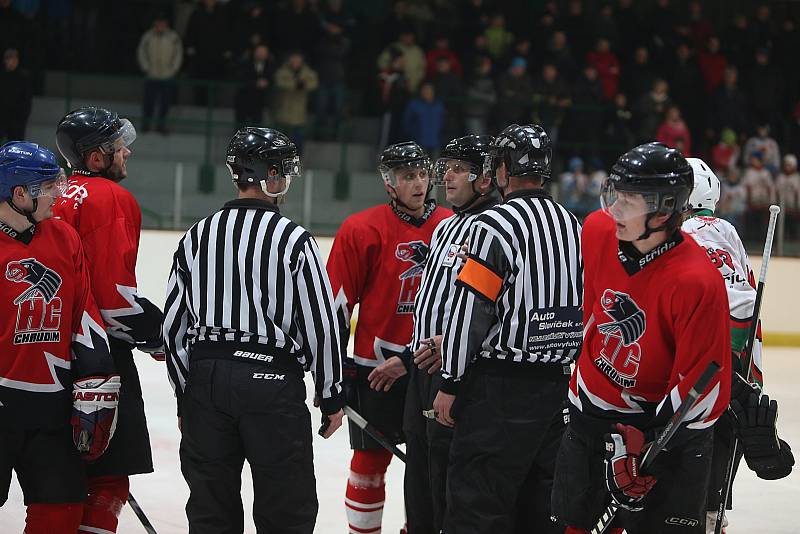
(705, 193)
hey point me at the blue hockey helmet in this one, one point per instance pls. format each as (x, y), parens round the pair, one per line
(31, 166)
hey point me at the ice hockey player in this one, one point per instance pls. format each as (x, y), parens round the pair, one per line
(249, 310)
(376, 262)
(655, 315)
(459, 171)
(54, 356)
(95, 141)
(513, 330)
(770, 457)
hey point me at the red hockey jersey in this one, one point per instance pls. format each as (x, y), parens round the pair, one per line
(109, 221)
(652, 324)
(51, 331)
(376, 262)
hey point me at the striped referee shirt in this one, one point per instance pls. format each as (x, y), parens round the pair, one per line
(433, 302)
(517, 299)
(248, 275)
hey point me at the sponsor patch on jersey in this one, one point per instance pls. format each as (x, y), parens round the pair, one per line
(38, 307)
(558, 329)
(416, 253)
(620, 355)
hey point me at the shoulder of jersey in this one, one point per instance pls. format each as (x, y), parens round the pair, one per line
(103, 187)
(59, 228)
(691, 265)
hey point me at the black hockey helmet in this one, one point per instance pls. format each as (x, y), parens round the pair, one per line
(525, 150)
(89, 128)
(257, 155)
(400, 156)
(660, 174)
(470, 149)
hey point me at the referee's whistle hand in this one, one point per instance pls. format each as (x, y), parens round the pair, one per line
(336, 422)
(442, 405)
(384, 376)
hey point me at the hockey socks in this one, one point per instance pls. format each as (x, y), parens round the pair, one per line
(107, 496)
(53, 518)
(366, 491)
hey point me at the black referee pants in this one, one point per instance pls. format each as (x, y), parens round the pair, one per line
(232, 412)
(507, 433)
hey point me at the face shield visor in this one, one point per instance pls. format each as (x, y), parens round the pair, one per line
(123, 137)
(628, 204)
(406, 172)
(53, 188)
(458, 167)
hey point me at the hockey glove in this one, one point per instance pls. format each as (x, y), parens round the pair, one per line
(94, 414)
(624, 480)
(350, 382)
(767, 455)
(147, 335)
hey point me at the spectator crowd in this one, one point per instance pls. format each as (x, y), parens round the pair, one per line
(716, 78)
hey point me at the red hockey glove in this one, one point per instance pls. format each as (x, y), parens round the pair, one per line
(627, 484)
(94, 414)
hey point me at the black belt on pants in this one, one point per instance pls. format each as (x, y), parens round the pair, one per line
(252, 353)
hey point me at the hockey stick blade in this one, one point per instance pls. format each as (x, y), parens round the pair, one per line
(148, 526)
(374, 433)
(747, 367)
(677, 419)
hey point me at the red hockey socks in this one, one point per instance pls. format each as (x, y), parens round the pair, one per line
(366, 490)
(107, 496)
(53, 518)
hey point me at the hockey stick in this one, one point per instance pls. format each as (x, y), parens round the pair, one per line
(747, 357)
(660, 442)
(148, 526)
(374, 433)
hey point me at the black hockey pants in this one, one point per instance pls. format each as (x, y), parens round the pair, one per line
(235, 411)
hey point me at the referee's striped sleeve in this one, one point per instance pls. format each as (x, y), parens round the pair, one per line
(177, 321)
(316, 317)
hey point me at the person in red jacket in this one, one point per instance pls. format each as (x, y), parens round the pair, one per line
(95, 141)
(58, 389)
(655, 315)
(377, 261)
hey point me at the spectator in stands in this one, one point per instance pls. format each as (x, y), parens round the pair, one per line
(15, 97)
(629, 22)
(760, 187)
(14, 29)
(331, 57)
(725, 154)
(662, 20)
(474, 54)
(729, 104)
(552, 99)
(607, 66)
(424, 119)
(712, 65)
(762, 28)
(650, 109)
(542, 35)
(160, 56)
(575, 24)
(700, 28)
(638, 77)
(686, 88)
(335, 19)
(764, 88)
(252, 30)
(619, 128)
(441, 49)
(449, 90)
(207, 46)
(560, 55)
(733, 200)
(475, 17)
(673, 132)
(584, 120)
(255, 81)
(575, 190)
(294, 81)
(481, 97)
(498, 38)
(514, 90)
(296, 27)
(413, 58)
(738, 39)
(762, 143)
(604, 26)
(784, 56)
(788, 186)
(393, 95)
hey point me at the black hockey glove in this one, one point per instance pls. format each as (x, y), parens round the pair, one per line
(767, 455)
(624, 479)
(147, 334)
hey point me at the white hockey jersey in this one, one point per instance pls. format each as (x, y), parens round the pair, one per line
(726, 251)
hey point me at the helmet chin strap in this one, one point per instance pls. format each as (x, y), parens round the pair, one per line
(393, 197)
(476, 195)
(650, 231)
(27, 214)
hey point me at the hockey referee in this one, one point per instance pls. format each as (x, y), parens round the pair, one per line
(249, 309)
(514, 328)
